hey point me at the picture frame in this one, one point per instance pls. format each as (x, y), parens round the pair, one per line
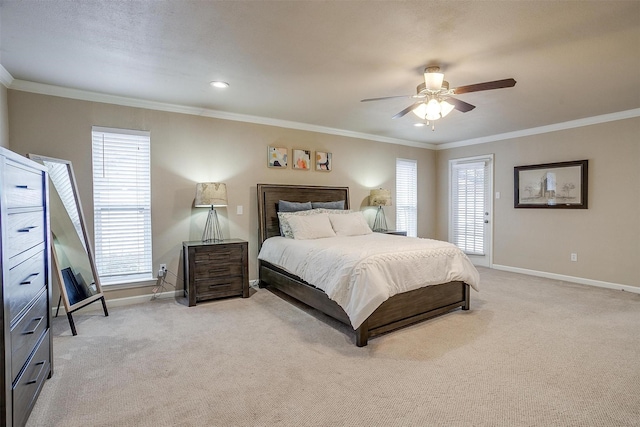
(323, 161)
(560, 185)
(277, 157)
(301, 159)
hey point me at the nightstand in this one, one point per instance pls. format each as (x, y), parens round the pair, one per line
(215, 270)
(396, 232)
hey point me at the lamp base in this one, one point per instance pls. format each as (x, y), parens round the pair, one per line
(380, 223)
(212, 232)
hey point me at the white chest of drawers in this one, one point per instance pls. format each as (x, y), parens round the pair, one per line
(25, 286)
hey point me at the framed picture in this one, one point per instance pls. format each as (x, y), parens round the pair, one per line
(323, 161)
(551, 185)
(277, 157)
(301, 159)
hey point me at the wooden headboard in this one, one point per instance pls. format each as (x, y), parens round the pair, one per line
(269, 194)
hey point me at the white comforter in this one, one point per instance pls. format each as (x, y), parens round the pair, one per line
(361, 272)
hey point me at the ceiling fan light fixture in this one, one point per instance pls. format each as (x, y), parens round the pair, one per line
(445, 108)
(433, 108)
(420, 111)
(433, 80)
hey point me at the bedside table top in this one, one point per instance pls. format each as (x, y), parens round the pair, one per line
(221, 242)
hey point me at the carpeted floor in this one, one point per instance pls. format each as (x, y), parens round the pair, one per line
(530, 352)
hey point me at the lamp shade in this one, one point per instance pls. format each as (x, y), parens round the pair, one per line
(211, 194)
(380, 197)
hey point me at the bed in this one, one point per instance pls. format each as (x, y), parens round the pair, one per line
(399, 310)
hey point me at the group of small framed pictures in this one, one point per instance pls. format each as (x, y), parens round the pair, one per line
(278, 157)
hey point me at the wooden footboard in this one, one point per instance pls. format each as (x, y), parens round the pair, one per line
(398, 311)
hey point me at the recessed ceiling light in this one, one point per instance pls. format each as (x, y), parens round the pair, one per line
(220, 85)
(418, 125)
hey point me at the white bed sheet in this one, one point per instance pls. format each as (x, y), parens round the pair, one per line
(361, 272)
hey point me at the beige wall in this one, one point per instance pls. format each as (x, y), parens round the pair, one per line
(606, 236)
(4, 117)
(187, 149)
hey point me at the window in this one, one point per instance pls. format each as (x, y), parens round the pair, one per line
(469, 182)
(122, 204)
(407, 196)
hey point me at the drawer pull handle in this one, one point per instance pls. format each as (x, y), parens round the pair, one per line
(41, 363)
(27, 281)
(27, 229)
(24, 187)
(39, 320)
(219, 284)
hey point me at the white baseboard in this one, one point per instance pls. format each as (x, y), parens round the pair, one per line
(583, 281)
(121, 302)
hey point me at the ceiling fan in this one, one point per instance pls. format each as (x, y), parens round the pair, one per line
(436, 98)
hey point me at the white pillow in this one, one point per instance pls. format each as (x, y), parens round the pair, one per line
(311, 227)
(351, 224)
(283, 219)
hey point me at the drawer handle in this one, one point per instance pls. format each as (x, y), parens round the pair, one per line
(39, 372)
(27, 281)
(39, 320)
(24, 187)
(27, 229)
(219, 284)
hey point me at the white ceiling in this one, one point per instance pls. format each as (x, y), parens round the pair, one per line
(312, 62)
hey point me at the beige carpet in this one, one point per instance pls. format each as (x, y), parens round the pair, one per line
(530, 352)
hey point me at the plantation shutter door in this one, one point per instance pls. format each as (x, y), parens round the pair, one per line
(469, 181)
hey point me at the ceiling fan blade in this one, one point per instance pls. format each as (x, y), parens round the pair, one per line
(498, 84)
(406, 110)
(460, 105)
(386, 97)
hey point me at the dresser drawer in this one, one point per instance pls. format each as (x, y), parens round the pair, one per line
(26, 281)
(27, 332)
(29, 383)
(24, 231)
(218, 287)
(23, 186)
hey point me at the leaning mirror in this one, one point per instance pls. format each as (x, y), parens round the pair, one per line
(73, 262)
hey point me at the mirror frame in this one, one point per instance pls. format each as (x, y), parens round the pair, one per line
(99, 295)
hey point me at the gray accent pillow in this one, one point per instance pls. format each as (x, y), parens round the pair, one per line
(328, 205)
(284, 206)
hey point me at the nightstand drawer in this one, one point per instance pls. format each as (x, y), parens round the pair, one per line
(27, 332)
(223, 254)
(23, 186)
(218, 288)
(215, 269)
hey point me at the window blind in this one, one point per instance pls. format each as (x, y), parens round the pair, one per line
(407, 196)
(468, 188)
(122, 204)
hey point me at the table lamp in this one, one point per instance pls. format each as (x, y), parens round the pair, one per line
(211, 194)
(380, 197)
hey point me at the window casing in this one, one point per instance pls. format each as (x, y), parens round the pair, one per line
(407, 196)
(122, 204)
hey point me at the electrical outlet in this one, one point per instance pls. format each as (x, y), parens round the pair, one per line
(574, 257)
(163, 267)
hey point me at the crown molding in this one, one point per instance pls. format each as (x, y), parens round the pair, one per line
(83, 95)
(43, 89)
(5, 77)
(544, 129)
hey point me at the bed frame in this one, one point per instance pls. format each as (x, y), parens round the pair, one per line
(398, 311)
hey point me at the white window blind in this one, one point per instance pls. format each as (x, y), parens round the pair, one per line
(122, 204)
(407, 196)
(468, 189)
